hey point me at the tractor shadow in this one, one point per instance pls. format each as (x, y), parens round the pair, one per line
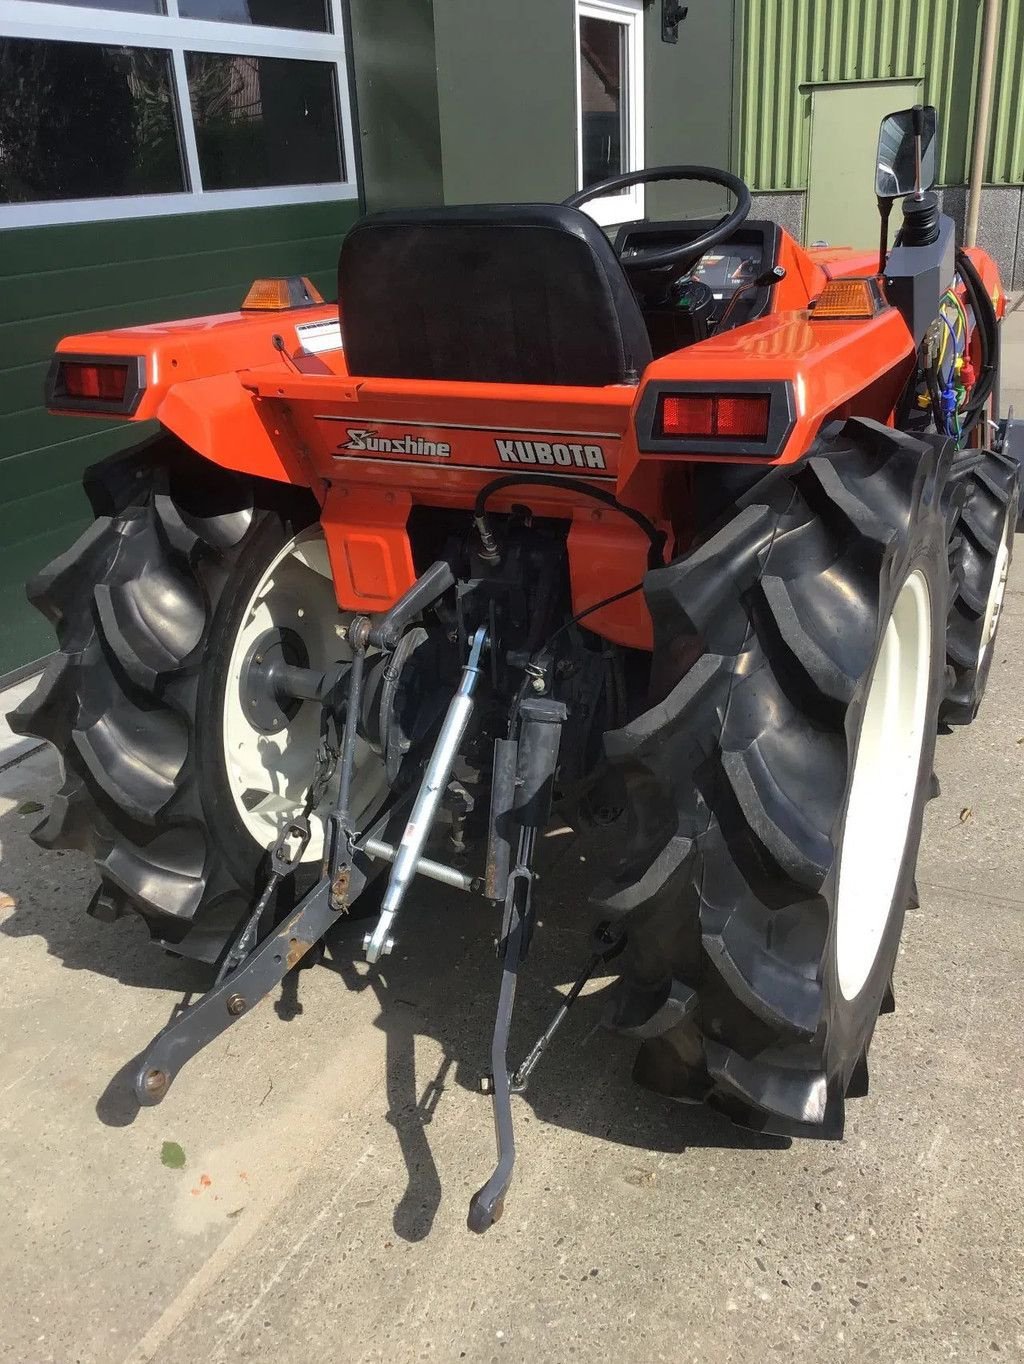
(441, 983)
(438, 987)
(47, 891)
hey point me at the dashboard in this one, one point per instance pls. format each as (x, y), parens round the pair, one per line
(699, 303)
(730, 265)
(725, 273)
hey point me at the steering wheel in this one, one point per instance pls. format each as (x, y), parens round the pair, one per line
(646, 260)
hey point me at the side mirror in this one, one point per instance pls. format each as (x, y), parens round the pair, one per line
(907, 143)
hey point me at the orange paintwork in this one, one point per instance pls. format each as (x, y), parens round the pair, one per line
(372, 449)
(197, 347)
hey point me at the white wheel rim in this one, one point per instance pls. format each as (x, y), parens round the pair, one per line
(885, 776)
(997, 592)
(269, 774)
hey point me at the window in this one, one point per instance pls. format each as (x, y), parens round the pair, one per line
(129, 108)
(129, 6)
(263, 120)
(307, 14)
(610, 102)
(86, 122)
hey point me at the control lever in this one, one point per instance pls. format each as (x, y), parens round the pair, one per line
(540, 732)
(385, 633)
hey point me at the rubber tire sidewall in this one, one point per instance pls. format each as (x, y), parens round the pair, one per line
(985, 663)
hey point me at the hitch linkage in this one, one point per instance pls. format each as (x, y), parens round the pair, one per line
(249, 972)
(521, 797)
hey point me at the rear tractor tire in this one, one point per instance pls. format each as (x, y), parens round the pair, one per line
(778, 781)
(175, 781)
(981, 549)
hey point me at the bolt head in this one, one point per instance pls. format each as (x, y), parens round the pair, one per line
(538, 684)
(389, 946)
(366, 942)
(236, 1005)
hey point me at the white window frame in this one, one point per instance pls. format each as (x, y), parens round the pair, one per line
(171, 33)
(628, 206)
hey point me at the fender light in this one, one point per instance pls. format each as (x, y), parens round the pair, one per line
(107, 385)
(715, 417)
(847, 300)
(278, 295)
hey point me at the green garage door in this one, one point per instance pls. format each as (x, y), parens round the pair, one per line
(841, 205)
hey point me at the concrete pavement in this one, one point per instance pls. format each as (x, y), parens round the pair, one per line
(333, 1138)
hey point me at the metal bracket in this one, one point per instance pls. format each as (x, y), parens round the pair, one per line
(200, 1023)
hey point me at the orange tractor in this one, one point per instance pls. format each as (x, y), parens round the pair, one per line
(698, 535)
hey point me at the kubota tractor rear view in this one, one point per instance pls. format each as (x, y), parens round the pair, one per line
(699, 535)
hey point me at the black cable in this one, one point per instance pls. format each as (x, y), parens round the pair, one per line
(985, 314)
(578, 485)
(574, 620)
(566, 625)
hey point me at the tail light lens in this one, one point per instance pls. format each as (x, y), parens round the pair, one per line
(108, 382)
(715, 416)
(107, 385)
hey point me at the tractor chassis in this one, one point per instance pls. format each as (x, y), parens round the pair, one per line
(524, 772)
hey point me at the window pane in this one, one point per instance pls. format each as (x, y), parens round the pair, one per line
(125, 6)
(81, 121)
(602, 98)
(264, 120)
(307, 14)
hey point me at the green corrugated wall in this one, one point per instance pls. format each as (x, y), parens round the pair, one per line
(59, 280)
(790, 45)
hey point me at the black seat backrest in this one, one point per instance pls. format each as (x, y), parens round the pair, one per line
(500, 293)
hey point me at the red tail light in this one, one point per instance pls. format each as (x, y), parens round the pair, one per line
(107, 382)
(96, 385)
(716, 416)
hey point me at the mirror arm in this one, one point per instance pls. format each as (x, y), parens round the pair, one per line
(918, 116)
(884, 210)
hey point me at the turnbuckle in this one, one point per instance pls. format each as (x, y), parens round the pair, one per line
(283, 861)
(424, 811)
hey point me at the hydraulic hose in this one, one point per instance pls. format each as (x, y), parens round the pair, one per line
(576, 485)
(988, 331)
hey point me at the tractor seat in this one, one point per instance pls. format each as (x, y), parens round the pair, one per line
(496, 293)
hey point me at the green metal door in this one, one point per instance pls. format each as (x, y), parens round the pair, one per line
(841, 207)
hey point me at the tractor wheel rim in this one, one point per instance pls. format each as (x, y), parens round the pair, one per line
(886, 770)
(994, 605)
(269, 774)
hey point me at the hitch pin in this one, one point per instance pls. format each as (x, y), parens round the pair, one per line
(428, 799)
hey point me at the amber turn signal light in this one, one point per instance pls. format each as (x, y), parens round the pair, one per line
(715, 416)
(277, 295)
(847, 300)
